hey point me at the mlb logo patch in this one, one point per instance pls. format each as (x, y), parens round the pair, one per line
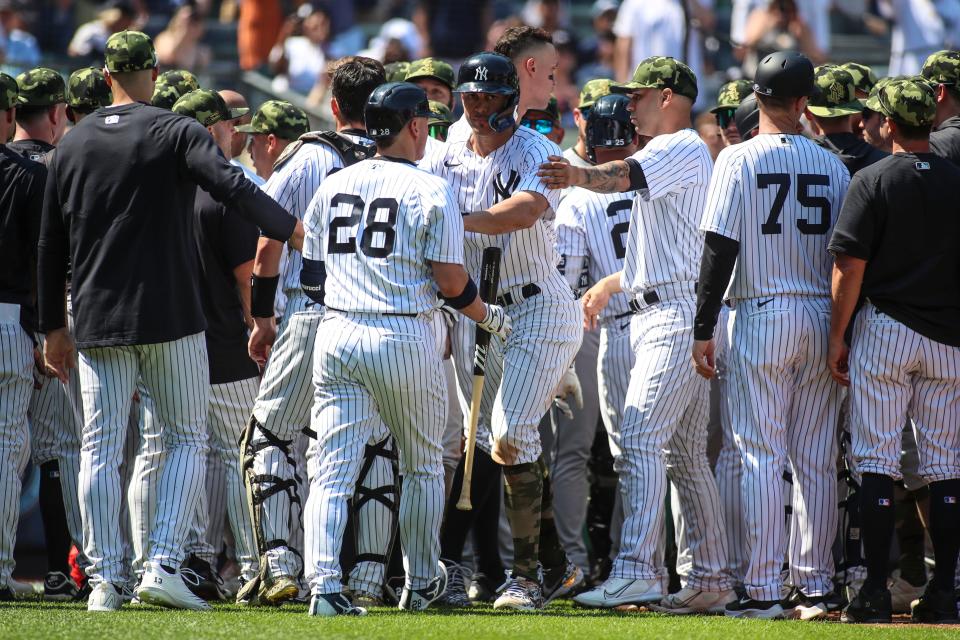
(884, 502)
(950, 500)
(111, 119)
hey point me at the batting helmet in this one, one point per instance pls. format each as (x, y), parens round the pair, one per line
(488, 72)
(608, 124)
(784, 74)
(747, 117)
(391, 106)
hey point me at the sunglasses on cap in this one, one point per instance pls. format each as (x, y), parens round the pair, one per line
(725, 117)
(438, 131)
(540, 125)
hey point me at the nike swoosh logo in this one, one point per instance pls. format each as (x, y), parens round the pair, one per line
(447, 163)
(765, 302)
(622, 327)
(618, 592)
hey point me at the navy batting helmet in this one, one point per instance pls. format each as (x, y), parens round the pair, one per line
(747, 116)
(784, 74)
(608, 124)
(391, 106)
(488, 72)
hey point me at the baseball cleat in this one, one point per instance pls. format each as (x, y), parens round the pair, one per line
(799, 606)
(687, 601)
(870, 606)
(105, 597)
(201, 578)
(902, 594)
(327, 605)
(24, 590)
(365, 600)
(480, 589)
(420, 599)
(520, 594)
(935, 607)
(57, 586)
(747, 607)
(456, 592)
(164, 588)
(568, 582)
(280, 589)
(619, 591)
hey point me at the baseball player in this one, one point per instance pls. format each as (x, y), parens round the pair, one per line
(123, 238)
(942, 70)
(545, 121)
(871, 120)
(435, 77)
(20, 204)
(830, 111)
(747, 118)
(171, 85)
(87, 91)
(493, 171)
(895, 249)
(273, 127)
(384, 237)
(275, 430)
(731, 95)
(769, 211)
(235, 100)
(592, 91)
(864, 79)
(663, 430)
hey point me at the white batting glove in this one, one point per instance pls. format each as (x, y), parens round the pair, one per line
(496, 322)
(569, 386)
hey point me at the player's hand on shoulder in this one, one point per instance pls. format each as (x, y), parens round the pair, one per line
(703, 357)
(569, 387)
(557, 172)
(262, 337)
(496, 321)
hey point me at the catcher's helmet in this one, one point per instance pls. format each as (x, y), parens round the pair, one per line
(391, 106)
(747, 116)
(608, 124)
(784, 74)
(488, 72)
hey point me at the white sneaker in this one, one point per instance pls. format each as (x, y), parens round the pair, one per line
(617, 591)
(165, 589)
(104, 597)
(688, 601)
(327, 605)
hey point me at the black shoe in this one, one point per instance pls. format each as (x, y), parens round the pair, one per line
(799, 606)
(935, 606)
(747, 607)
(420, 599)
(57, 586)
(870, 606)
(6, 595)
(83, 593)
(201, 579)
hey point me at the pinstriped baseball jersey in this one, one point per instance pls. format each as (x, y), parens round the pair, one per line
(595, 225)
(459, 130)
(293, 187)
(376, 225)
(779, 196)
(528, 254)
(665, 244)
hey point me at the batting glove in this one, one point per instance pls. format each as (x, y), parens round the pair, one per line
(569, 386)
(496, 322)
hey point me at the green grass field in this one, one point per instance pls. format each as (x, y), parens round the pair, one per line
(37, 620)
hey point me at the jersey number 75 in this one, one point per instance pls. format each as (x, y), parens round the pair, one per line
(804, 181)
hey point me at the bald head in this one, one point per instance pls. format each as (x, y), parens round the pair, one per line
(236, 101)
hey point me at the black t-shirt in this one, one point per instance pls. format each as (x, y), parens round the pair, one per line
(35, 150)
(945, 140)
(852, 150)
(21, 201)
(224, 242)
(902, 216)
(120, 195)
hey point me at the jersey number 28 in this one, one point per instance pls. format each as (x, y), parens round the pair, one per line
(804, 181)
(370, 229)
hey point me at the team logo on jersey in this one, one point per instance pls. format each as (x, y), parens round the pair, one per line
(922, 166)
(505, 189)
(114, 119)
(480, 74)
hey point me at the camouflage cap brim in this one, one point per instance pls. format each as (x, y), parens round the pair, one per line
(848, 109)
(630, 87)
(248, 128)
(238, 112)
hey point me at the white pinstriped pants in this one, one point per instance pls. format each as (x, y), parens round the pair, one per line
(369, 370)
(895, 374)
(175, 375)
(614, 364)
(16, 386)
(783, 406)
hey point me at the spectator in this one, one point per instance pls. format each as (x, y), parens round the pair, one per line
(601, 64)
(300, 56)
(549, 15)
(919, 29)
(777, 26)
(815, 13)
(179, 45)
(54, 25)
(453, 30)
(19, 50)
(90, 39)
(566, 90)
(603, 14)
(398, 40)
(258, 30)
(497, 29)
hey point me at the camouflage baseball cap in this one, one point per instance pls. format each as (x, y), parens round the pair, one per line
(439, 114)
(87, 90)
(661, 72)
(129, 51)
(732, 94)
(908, 101)
(40, 87)
(835, 95)
(207, 107)
(171, 85)
(942, 67)
(396, 71)
(280, 118)
(873, 102)
(863, 76)
(431, 68)
(8, 92)
(592, 91)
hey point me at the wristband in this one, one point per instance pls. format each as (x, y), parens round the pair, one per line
(263, 291)
(466, 297)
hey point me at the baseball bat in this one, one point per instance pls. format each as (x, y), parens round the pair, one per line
(489, 278)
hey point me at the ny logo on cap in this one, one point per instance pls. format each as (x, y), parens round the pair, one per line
(481, 74)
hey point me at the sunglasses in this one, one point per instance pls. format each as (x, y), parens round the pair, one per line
(585, 112)
(725, 117)
(540, 125)
(438, 131)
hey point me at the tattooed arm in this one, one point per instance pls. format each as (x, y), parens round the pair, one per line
(610, 177)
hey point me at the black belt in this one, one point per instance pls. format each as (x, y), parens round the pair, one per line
(650, 297)
(527, 291)
(381, 313)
